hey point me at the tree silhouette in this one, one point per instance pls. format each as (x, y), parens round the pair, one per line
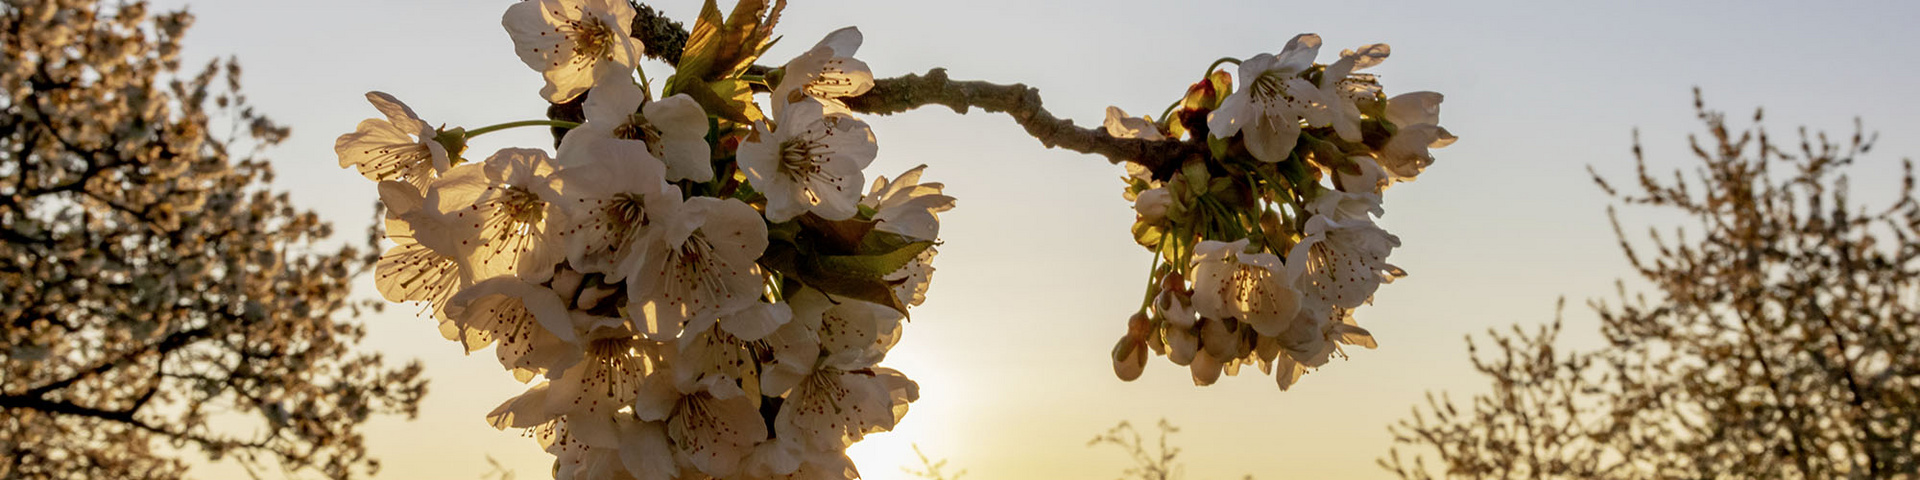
(1779, 343)
(159, 298)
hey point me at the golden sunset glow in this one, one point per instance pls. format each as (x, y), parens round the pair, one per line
(1037, 273)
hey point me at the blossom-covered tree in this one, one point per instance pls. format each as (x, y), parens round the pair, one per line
(160, 302)
(1779, 342)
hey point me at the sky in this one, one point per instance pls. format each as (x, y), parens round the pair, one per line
(1038, 272)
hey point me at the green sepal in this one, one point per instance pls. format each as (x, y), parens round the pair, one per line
(1148, 235)
(455, 141)
(1222, 87)
(1196, 172)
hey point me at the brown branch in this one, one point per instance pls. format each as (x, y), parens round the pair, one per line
(1023, 103)
(665, 39)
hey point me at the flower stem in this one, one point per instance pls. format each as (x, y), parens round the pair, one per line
(523, 123)
(1153, 279)
(1216, 64)
(1169, 110)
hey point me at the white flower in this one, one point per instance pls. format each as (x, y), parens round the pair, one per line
(572, 42)
(713, 434)
(609, 201)
(644, 448)
(607, 378)
(1347, 206)
(1152, 204)
(672, 131)
(697, 266)
(1119, 125)
(913, 278)
(774, 458)
(1312, 341)
(421, 266)
(1417, 115)
(499, 210)
(1366, 177)
(530, 322)
(1230, 283)
(1272, 100)
(826, 73)
(578, 459)
(812, 163)
(853, 334)
(400, 148)
(794, 349)
(526, 410)
(716, 359)
(1175, 302)
(1341, 263)
(833, 408)
(675, 129)
(907, 207)
(1341, 91)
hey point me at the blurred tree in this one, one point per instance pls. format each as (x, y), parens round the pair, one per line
(158, 298)
(1780, 343)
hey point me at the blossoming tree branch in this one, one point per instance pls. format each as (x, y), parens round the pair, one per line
(695, 283)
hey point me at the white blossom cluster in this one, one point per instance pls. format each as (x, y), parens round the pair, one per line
(1259, 261)
(690, 295)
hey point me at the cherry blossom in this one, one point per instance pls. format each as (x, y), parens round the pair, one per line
(400, 148)
(812, 163)
(572, 42)
(826, 73)
(1272, 101)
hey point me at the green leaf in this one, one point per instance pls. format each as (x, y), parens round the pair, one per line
(859, 277)
(872, 266)
(739, 98)
(710, 99)
(720, 48)
(702, 49)
(836, 237)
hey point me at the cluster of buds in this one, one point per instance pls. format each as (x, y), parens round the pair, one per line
(1264, 249)
(693, 287)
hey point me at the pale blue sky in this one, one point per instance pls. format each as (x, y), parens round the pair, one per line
(1038, 273)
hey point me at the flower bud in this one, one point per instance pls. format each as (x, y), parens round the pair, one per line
(1152, 204)
(1176, 306)
(1181, 345)
(1221, 337)
(1138, 327)
(1129, 358)
(1205, 368)
(1265, 349)
(566, 282)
